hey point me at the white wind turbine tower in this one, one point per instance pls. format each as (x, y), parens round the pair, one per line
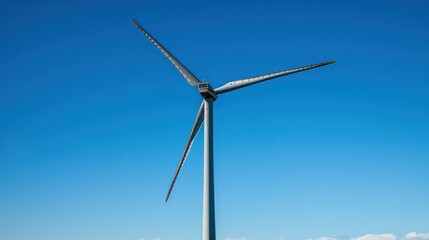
(205, 114)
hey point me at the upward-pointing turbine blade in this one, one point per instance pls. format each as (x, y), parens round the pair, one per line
(197, 125)
(186, 74)
(249, 81)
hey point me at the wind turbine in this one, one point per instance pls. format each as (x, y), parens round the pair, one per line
(205, 114)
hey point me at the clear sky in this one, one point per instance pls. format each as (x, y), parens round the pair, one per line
(93, 119)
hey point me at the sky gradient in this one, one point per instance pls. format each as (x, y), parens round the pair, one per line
(93, 119)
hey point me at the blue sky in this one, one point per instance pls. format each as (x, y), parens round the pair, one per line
(93, 119)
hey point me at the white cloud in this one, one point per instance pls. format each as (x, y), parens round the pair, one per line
(156, 238)
(233, 238)
(385, 236)
(323, 238)
(416, 236)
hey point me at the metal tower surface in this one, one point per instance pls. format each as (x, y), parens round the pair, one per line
(205, 114)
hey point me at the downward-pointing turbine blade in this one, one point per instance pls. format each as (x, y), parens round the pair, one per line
(249, 81)
(197, 125)
(186, 74)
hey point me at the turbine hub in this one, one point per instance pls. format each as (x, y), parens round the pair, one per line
(207, 91)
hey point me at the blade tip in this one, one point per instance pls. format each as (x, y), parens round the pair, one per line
(135, 23)
(168, 196)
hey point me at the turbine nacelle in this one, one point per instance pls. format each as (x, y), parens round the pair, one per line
(207, 91)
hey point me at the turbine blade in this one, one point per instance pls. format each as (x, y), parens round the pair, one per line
(249, 81)
(186, 74)
(197, 125)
